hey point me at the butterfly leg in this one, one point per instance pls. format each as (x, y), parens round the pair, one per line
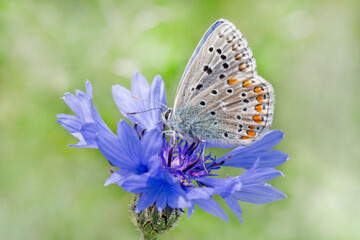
(173, 138)
(172, 135)
(203, 143)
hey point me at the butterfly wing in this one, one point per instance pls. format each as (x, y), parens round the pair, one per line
(222, 52)
(235, 111)
(233, 104)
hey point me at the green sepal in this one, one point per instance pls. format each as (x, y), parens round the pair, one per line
(152, 223)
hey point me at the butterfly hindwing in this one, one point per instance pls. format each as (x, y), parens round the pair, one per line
(236, 110)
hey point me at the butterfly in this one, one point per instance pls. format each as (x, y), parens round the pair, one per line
(220, 98)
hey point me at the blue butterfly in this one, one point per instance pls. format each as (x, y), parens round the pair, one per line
(220, 98)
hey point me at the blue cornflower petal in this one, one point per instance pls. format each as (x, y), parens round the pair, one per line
(161, 201)
(222, 186)
(118, 177)
(88, 131)
(141, 89)
(127, 150)
(70, 122)
(211, 206)
(254, 188)
(259, 175)
(202, 197)
(176, 196)
(269, 158)
(270, 140)
(129, 143)
(200, 193)
(151, 144)
(139, 86)
(234, 207)
(81, 102)
(73, 125)
(135, 183)
(157, 93)
(245, 157)
(110, 147)
(145, 201)
(152, 186)
(191, 210)
(82, 126)
(259, 194)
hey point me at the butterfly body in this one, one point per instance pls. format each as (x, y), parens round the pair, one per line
(220, 97)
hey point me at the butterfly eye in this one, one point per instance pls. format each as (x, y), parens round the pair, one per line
(167, 114)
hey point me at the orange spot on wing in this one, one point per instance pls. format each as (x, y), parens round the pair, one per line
(247, 83)
(251, 133)
(252, 127)
(257, 119)
(258, 108)
(257, 90)
(232, 81)
(244, 137)
(260, 98)
(242, 67)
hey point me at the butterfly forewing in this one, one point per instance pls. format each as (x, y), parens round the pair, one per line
(223, 52)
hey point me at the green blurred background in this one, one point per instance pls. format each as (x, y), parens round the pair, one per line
(308, 50)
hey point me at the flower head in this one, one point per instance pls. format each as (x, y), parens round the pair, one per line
(166, 174)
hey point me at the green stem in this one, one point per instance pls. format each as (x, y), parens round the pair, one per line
(148, 237)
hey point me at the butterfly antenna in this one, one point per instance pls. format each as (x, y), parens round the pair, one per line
(133, 113)
(158, 123)
(145, 100)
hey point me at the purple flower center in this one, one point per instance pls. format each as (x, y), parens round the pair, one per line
(185, 161)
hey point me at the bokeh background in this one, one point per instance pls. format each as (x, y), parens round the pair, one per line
(308, 49)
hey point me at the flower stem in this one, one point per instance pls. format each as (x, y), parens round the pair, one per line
(142, 237)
